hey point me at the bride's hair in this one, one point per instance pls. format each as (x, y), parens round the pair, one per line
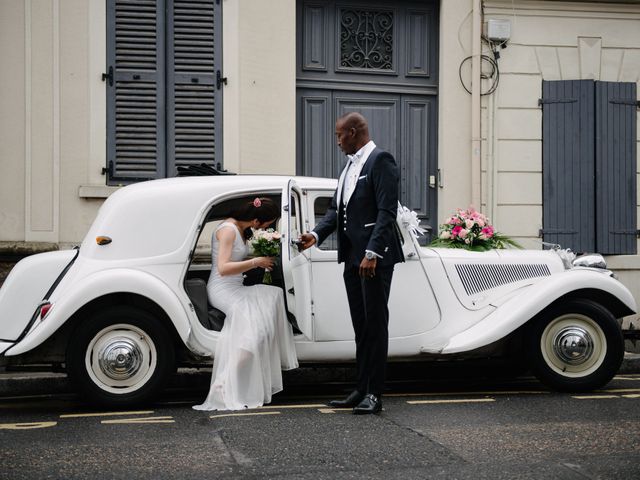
(261, 208)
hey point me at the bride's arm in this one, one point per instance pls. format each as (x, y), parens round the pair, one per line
(226, 266)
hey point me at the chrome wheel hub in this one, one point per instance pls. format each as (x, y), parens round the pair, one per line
(121, 358)
(573, 345)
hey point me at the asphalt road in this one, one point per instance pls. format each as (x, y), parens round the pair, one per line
(511, 429)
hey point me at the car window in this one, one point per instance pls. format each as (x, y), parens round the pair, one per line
(203, 247)
(320, 207)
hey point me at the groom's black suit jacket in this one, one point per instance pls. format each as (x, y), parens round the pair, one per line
(369, 221)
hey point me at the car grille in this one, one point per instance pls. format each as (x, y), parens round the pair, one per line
(480, 277)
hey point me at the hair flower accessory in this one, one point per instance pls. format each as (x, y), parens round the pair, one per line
(471, 230)
(257, 203)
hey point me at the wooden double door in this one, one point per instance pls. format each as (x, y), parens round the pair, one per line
(379, 59)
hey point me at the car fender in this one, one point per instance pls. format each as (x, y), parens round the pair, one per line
(522, 307)
(97, 285)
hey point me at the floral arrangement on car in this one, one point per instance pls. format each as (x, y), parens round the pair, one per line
(471, 230)
(266, 243)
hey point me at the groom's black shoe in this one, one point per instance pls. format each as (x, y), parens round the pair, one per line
(369, 404)
(352, 400)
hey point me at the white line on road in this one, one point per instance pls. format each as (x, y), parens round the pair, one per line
(449, 394)
(456, 400)
(335, 410)
(310, 405)
(138, 420)
(105, 414)
(593, 397)
(244, 414)
(26, 426)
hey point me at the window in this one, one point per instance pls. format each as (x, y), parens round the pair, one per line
(163, 87)
(320, 207)
(589, 165)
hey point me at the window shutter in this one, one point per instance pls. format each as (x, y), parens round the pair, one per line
(193, 97)
(616, 170)
(568, 158)
(135, 91)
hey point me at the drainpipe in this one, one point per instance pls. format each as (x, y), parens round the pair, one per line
(476, 140)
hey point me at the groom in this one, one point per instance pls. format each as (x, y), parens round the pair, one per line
(363, 211)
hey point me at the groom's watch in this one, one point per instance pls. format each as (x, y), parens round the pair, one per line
(369, 255)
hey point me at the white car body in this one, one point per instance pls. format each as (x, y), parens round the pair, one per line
(443, 301)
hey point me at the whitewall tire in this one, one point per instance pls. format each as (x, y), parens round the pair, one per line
(575, 346)
(120, 356)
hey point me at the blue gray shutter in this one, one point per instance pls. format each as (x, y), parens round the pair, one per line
(616, 167)
(135, 90)
(568, 164)
(194, 92)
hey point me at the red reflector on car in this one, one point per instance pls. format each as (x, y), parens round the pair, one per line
(103, 240)
(44, 309)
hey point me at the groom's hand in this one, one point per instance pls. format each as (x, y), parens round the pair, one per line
(368, 268)
(307, 240)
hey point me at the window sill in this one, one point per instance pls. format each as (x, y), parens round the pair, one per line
(96, 191)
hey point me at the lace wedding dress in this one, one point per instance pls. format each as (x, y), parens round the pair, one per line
(256, 341)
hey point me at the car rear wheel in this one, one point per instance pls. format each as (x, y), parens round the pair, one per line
(575, 346)
(120, 356)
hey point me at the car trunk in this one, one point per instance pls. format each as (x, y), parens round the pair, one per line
(30, 282)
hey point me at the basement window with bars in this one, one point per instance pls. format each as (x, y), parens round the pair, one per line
(164, 92)
(589, 171)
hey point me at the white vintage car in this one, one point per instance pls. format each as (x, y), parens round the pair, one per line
(129, 305)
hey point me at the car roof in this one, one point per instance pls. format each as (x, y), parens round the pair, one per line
(154, 218)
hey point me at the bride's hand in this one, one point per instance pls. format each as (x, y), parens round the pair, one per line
(263, 262)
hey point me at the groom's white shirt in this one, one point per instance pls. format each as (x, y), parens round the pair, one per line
(351, 173)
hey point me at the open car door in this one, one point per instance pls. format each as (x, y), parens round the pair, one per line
(296, 265)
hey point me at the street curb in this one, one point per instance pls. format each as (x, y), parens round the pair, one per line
(14, 384)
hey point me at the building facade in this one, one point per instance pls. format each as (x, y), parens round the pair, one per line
(101, 93)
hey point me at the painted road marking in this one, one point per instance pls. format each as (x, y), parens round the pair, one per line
(455, 400)
(448, 394)
(105, 414)
(593, 397)
(335, 410)
(244, 414)
(138, 420)
(310, 405)
(633, 395)
(26, 426)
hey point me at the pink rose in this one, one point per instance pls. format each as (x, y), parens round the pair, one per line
(487, 231)
(469, 223)
(463, 233)
(455, 231)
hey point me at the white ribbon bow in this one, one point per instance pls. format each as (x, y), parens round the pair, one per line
(410, 221)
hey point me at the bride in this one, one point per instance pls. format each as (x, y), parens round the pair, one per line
(256, 341)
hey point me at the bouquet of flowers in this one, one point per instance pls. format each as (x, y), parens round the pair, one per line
(471, 230)
(266, 243)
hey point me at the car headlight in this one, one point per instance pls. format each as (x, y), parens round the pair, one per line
(591, 260)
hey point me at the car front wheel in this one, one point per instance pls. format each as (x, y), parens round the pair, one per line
(575, 346)
(120, 356)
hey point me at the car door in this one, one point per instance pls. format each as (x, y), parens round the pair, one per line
(413, 308)
(296, 266)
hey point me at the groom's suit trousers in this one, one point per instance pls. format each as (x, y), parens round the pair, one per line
(368, 300)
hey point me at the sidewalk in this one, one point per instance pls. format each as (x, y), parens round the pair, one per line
(47, 383)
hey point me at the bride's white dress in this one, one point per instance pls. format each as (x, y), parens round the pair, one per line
(256, 341)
